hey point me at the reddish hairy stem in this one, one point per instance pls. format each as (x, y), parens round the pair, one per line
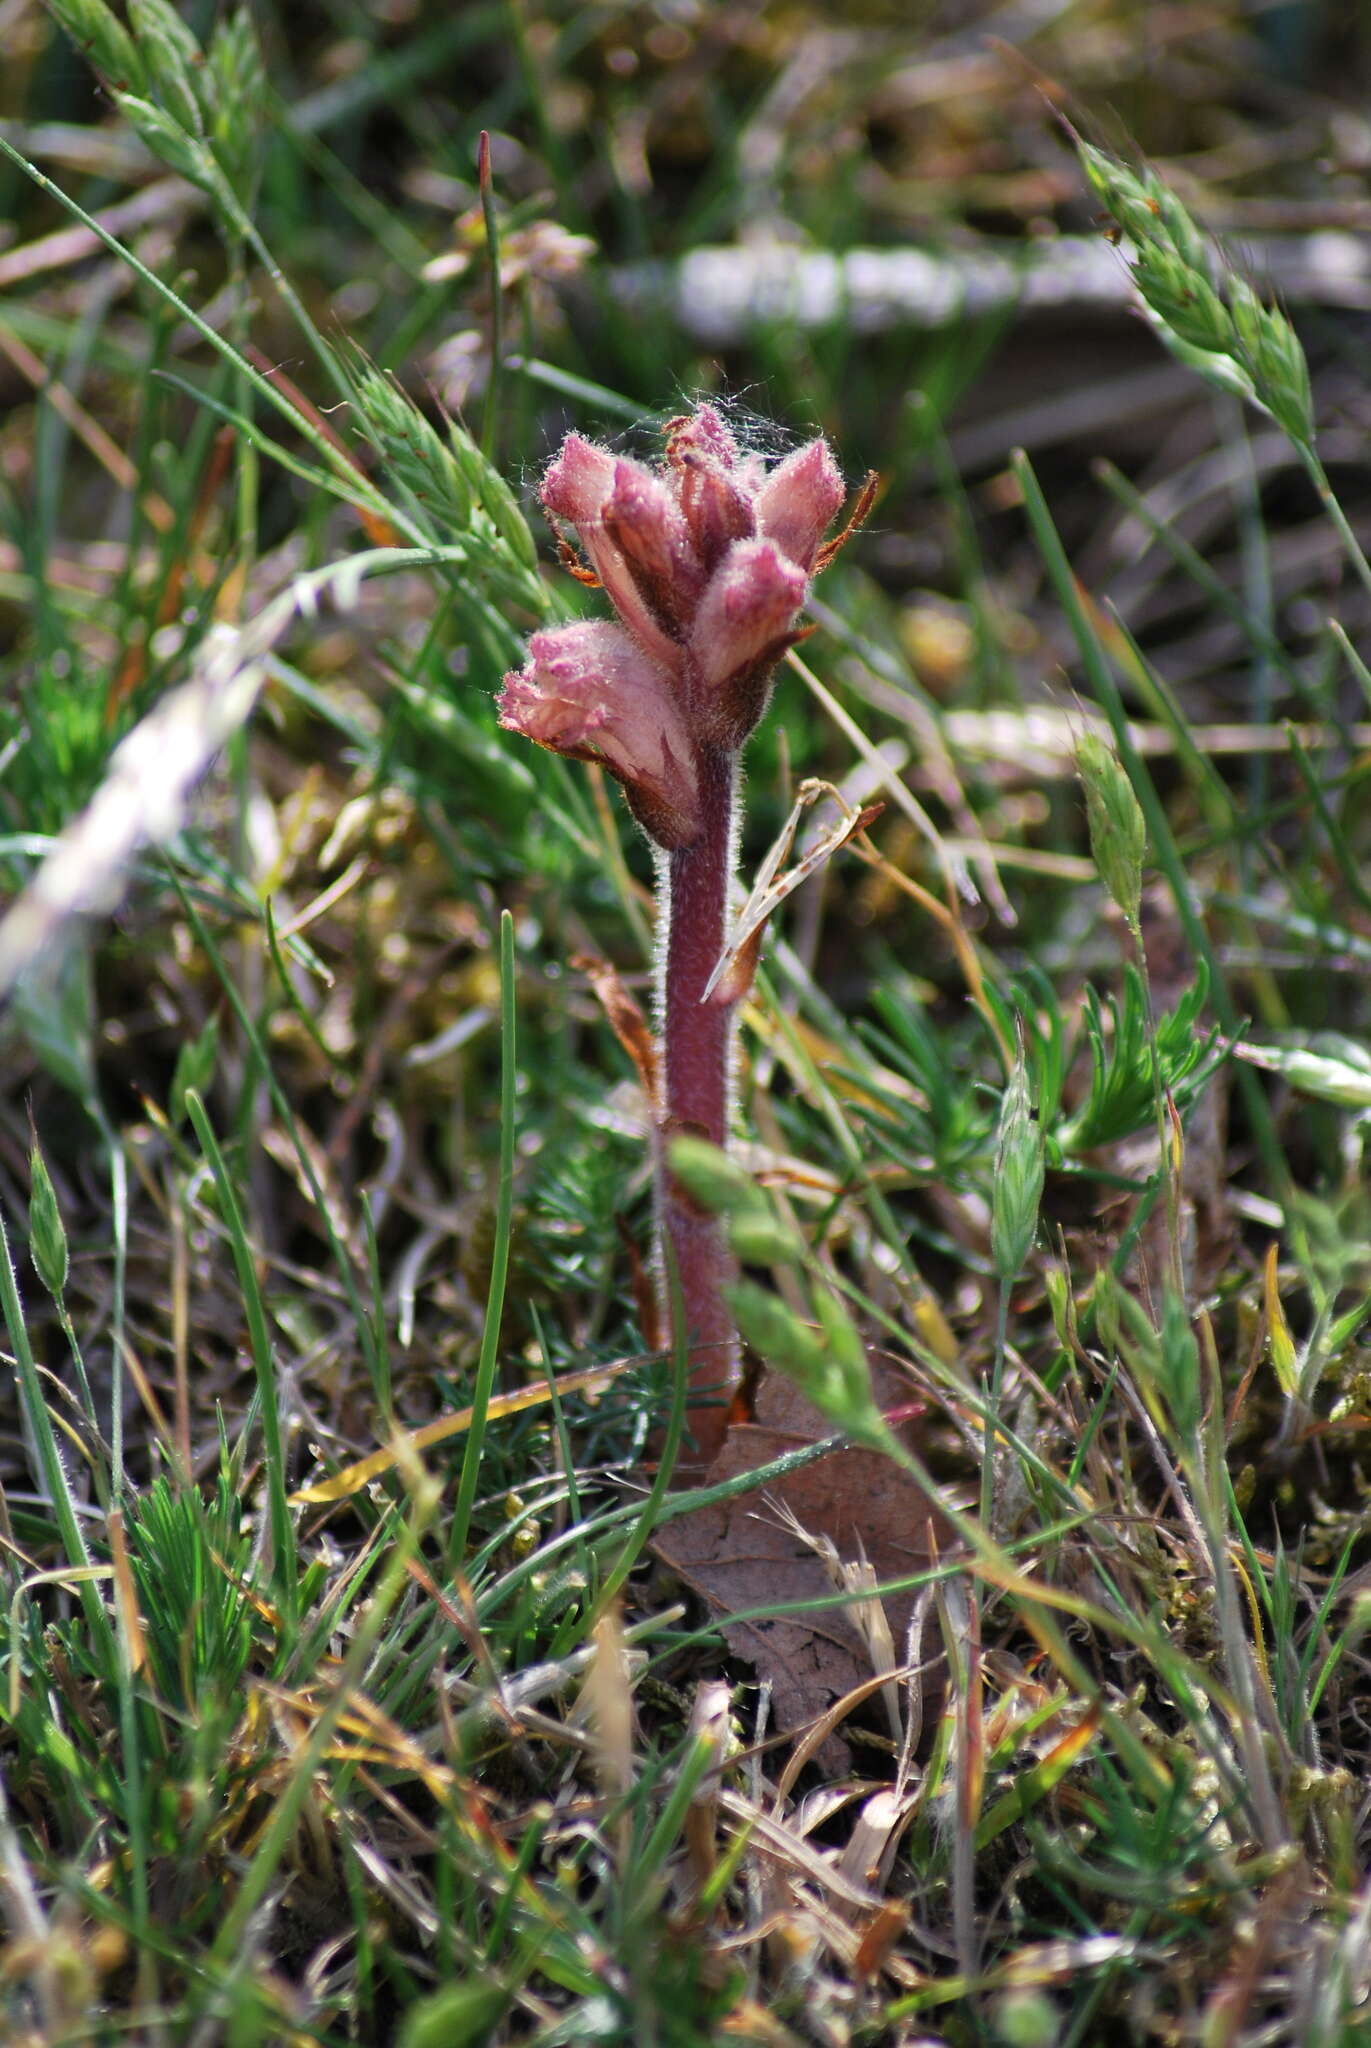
(697, 1040)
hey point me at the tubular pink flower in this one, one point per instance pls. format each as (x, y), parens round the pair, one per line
(717, 510)
(643, 520)
(799, 501)
(578, 480)
(582, 486)
(621, 588)
(747, 610)
(590, 692)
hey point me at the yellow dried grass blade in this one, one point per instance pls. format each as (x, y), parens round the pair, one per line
(1035, 1783)
(353, 1478)
(1284, 1357)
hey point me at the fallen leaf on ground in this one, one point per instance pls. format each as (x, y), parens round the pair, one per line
(746, 1553)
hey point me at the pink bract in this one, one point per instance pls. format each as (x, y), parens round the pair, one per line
(799, 501)
(578, 480)
(748, 608)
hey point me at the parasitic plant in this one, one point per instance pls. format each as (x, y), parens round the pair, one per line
(706, 559)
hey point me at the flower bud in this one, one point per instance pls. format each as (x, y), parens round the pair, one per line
(799, 501)
(749, 606)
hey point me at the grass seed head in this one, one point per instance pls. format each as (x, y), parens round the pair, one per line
(104, 41)
(1206, 311)
(181, 149)
(1018, 1177)
(1118, 830)
(47, 1236)
(827, 1364)
(173, 62)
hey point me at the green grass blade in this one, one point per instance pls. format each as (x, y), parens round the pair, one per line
(499, 1257)
(284, 1560)
(54, 1473)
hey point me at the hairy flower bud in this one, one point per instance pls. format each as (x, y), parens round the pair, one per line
(740, 632)
(578, 480)
(799, 501)
(1118, 830)
(644, 521)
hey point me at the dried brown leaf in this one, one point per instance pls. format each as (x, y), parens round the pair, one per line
(742, 1554)
(625, 1019)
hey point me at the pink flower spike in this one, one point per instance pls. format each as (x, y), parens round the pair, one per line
(590, 692)
(748, 608)
(799, 501)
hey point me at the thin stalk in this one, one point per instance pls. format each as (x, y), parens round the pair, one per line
(84, 1389)
(697, 1056)
(284, 1558)
(970, 1775)
(491, 415)
(1258, 603)
(126, 1669)
(666, 1463)
(1158, 825)
(1352, 547)
(52, 1473)
(119, 1215)
(1255, 630)
(1166, 1162)
(246, 229)
(992, 1411)
(499, 1258)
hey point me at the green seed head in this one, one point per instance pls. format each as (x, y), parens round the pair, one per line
(1118, 832)
(1184, 299)
(47, 1237)
(1280, 373)
(760, 1238)
(173, 61)
(827, 1364)
(1206, 311)
(1121, 192)
(1018, 1177)
(104, 41)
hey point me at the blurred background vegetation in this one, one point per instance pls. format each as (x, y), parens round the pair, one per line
(673, 184)
(868, 221)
